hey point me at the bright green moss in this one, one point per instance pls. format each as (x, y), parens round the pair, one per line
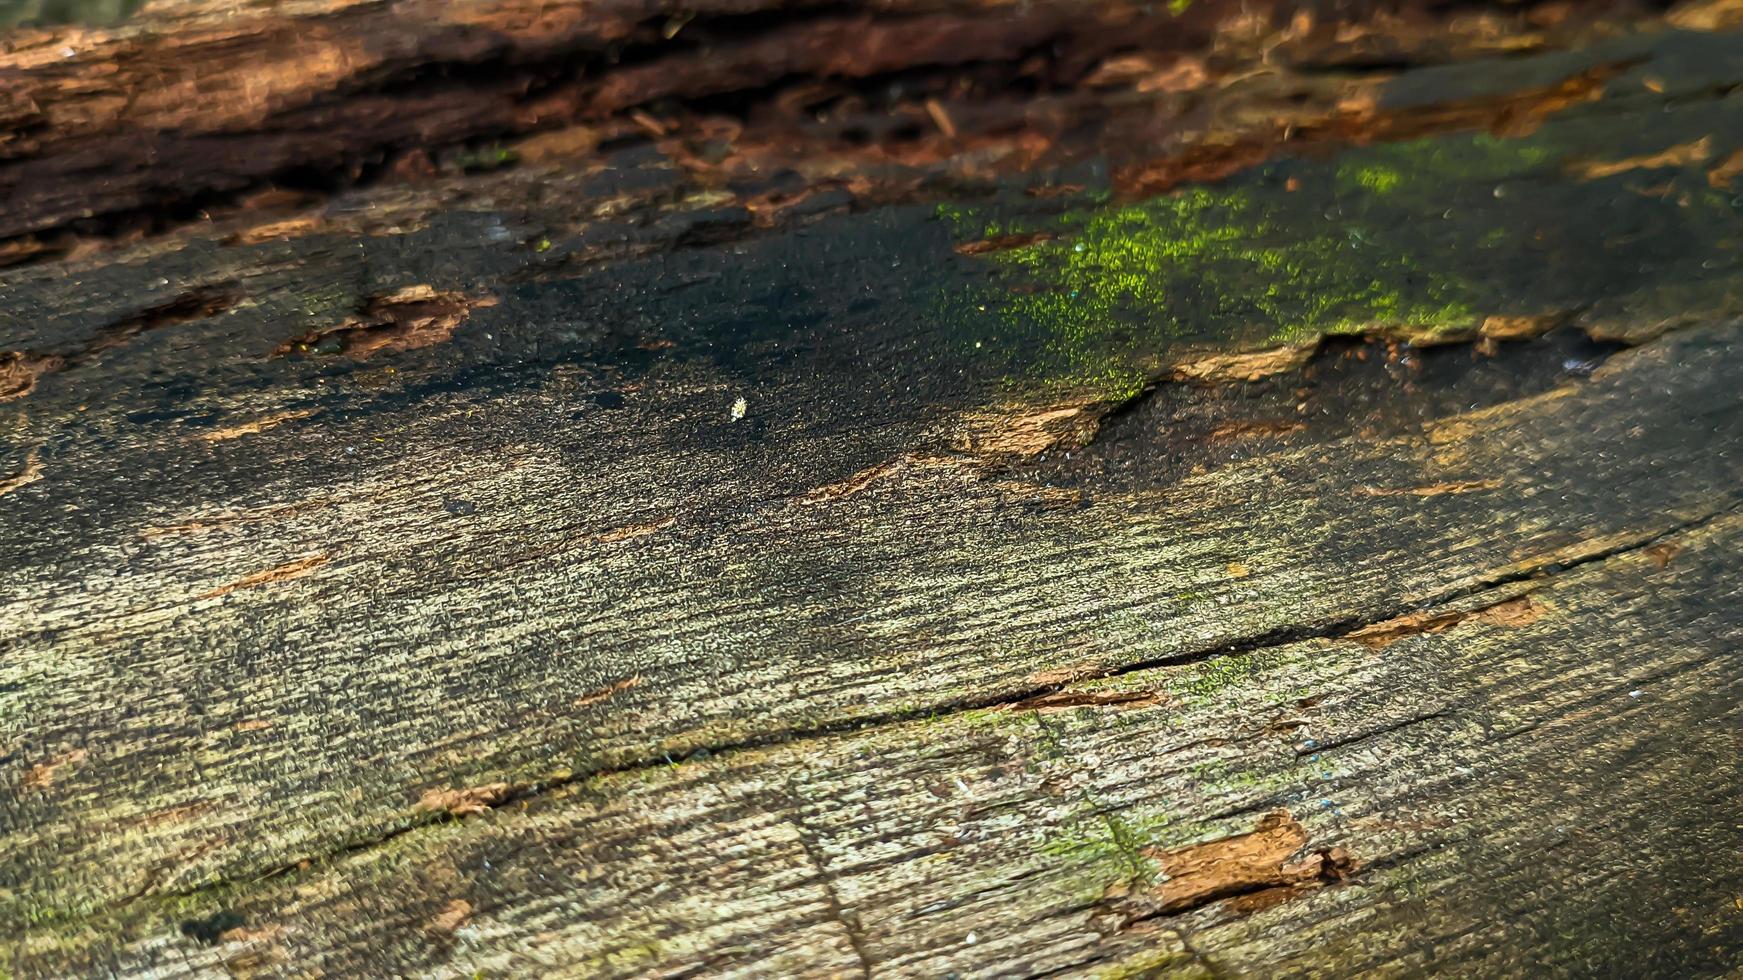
(1120, 283)
(1372, 177)
(1420, 237)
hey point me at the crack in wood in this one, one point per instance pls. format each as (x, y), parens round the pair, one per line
(1319, 747)
(1517, 611)
(503, 794)
(814, 855)
(21, 370)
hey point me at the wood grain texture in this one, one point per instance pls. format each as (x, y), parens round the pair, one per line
(1551, 790)
(616, 567)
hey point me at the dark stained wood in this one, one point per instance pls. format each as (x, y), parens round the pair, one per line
(199, 104)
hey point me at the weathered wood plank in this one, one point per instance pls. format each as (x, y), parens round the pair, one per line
(448, 499)
(335, 591)
(192, 104)
(1538, 778)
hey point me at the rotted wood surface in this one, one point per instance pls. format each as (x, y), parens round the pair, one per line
(1258, 496)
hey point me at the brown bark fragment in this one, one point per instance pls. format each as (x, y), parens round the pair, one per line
(1707, 15)
(41, 775)
(1151, 72)
(1518, 327)
(1359, 122)
(558, 144)
(19, 371)
(1681, 155)
(1002, 243)
(854, 484)
(1268, 859)
(1031, 433)
(941, 118)
(410, 318)
(872, 475)
(257, 425)
(1661, 554)
(465, 802)
(1510, 614)
(31, 473)
(1251, 366)
(1726, 170)
(278, 573)
(273, 230)
(196, 304)
(453, 915)
(605, 693)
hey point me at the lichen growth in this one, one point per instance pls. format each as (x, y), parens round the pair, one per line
(1207, 680)
(1155, 963)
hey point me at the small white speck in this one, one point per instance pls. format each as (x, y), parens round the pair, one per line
(971, 939)
(1636, 694)
(739, 407)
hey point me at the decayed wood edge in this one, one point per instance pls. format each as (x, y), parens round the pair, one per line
(220, 103)
(1281, 621)
(1254, 813)
(225, 102)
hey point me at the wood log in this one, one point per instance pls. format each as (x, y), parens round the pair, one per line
(1239, 506)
